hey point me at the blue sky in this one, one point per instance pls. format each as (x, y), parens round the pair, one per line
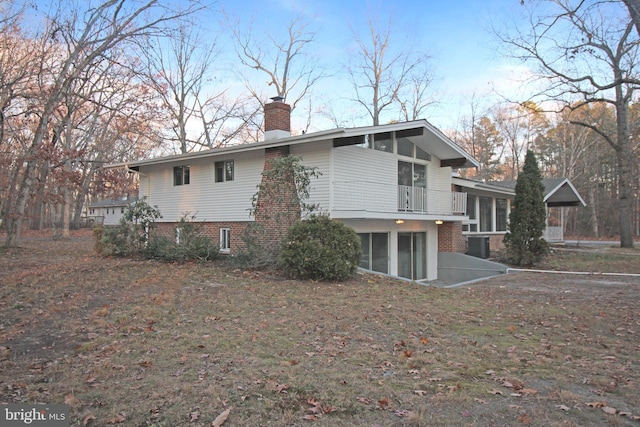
(465, 57)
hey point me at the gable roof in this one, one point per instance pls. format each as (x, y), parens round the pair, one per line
(109, 203)
(557, 191)
(425, 136)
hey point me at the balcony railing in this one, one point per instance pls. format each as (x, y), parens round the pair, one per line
(377, 197)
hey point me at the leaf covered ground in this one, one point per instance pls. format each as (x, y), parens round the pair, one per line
(140, 343)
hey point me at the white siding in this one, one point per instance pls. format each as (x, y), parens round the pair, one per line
(317, 155)
(355, 167)
(203, 197)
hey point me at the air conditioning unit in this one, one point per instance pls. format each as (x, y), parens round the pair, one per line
(478, 246)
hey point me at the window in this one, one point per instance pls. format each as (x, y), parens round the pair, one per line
(225, 240)
(383, 142)
(412, 174)
(501, 214)
(405, 147)
(181, 175)
(472, 213)
(422, 155)
(375, 251)
(224, 171)
(486, 214)
(122, 210)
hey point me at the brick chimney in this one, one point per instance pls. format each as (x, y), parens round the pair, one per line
(277, 119)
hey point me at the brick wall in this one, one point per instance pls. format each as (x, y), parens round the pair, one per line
(277, 116)
(450, 238)
(277, 210)
(210, 229)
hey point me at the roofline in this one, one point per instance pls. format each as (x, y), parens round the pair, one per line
(231, 149)
(299, 139)
(483, 186)
(557, 187)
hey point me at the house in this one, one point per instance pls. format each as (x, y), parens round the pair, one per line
(489, 205)
(391, 183)
(108, 211)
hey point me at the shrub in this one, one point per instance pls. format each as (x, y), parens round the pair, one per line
(257, 251)
(190, 245)
(320, 248)
(523, 242)
(131, 235)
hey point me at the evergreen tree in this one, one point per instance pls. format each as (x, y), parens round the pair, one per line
(523, 241)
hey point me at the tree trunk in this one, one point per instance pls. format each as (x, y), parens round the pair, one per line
(624, 158)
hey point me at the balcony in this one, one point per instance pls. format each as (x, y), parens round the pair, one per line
(377, 197)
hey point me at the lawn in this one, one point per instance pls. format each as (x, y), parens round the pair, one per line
(140, 343)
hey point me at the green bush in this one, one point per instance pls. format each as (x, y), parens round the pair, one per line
(320, 248)
(257, 252)
(191, 245)
(134, 236)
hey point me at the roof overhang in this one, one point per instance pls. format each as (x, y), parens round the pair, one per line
(420, 132)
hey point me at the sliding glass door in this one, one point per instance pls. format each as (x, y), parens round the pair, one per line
(412, 255)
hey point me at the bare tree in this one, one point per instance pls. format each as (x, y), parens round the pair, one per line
(88, 35)
(415, 96)
(586, 57)
(379, 72)
(285, 60)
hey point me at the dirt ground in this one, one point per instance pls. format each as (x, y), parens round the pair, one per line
(141, 343)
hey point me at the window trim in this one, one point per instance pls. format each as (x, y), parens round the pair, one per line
(184, 172)
(225, 171)
(225, 240)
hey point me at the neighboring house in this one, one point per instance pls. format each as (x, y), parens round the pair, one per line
(391, 183)
(108, 211)
(489, 205)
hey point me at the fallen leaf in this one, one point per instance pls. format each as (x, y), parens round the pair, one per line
(596, 404)
(70, 399)
(484, 402)
(495, 392)
(194, 416)
(562, 407)
(364, 400)
(220, 419)
(524, 419)
(424, 341)
(310, 418)
(609, 410)
(401, 412)
(420, 392)
(528, 391)
(118, 419)
(282, 388)
(384, 402)
(88, 419)
(408, 353)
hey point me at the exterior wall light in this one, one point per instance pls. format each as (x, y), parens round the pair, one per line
(439, 222)
(399, 221)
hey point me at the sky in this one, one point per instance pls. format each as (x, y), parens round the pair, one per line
(466, 59)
